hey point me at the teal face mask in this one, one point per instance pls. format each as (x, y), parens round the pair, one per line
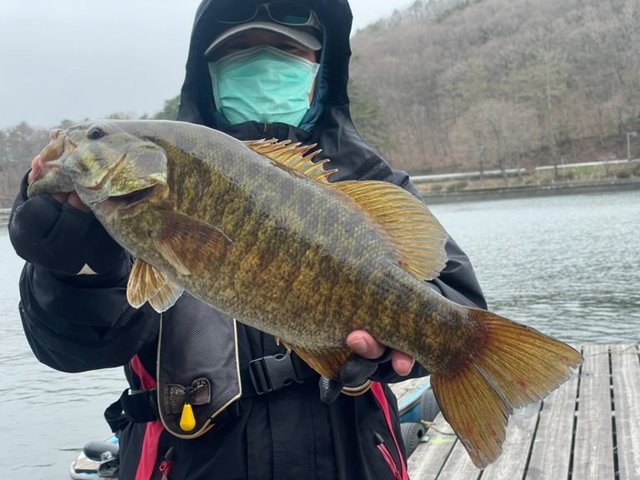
(263, 84)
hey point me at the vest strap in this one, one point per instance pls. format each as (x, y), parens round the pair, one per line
(262, 375)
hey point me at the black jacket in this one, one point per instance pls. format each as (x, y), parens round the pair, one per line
(81, 322)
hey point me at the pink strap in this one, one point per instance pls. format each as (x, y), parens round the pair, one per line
(146, 380)
(149, 454)
(378, 392)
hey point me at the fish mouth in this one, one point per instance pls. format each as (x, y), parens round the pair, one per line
(45, 165)
(126, 203)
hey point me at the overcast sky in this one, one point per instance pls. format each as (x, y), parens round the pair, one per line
(81, 59)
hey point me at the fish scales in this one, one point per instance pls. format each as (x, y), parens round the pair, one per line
(259, 233)
(267, 206)
(264, 203)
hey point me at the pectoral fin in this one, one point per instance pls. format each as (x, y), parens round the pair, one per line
(189, 244)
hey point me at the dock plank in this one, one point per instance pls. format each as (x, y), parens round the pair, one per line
(515, 451)
(406, 390)
(428, 459)
(554, 434)
(593, 452)
(459, 466)
(625, 362)
(588, 429)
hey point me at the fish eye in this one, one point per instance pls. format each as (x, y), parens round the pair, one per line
(95, 133)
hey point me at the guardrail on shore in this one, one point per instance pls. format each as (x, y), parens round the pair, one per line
(4, 216)
(512, 171)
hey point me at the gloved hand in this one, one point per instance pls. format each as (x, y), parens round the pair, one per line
(368, 359)
(62, 238)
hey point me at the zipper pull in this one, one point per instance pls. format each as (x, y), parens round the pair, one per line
(187, 418)
(166, 464)
(386, 455)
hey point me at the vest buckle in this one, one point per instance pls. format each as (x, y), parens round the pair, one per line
(273, 372)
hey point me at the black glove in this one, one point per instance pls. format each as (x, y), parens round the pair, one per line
(62, 238)
(354, 373)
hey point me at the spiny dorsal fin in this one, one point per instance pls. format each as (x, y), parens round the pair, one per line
(417, 235)
(293, 156)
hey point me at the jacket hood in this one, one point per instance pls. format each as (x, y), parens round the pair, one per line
(329, 121)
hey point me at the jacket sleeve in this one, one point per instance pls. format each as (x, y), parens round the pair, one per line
(80, 326)
(74, 322)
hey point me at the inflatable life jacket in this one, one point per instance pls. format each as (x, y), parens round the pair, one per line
(198, 377)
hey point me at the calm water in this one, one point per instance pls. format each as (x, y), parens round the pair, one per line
(567, 265)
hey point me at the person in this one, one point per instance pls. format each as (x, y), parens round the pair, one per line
(210, 398)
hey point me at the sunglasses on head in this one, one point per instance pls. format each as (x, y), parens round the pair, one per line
(285, 13)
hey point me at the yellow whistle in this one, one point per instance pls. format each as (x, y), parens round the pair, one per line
(187, 419)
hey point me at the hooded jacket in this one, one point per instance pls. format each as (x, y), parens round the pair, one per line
(79, 322)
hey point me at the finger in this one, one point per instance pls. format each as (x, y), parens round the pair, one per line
(75, 202)
(365, 345)
(61, 197)
(36, 167)
(402, 363)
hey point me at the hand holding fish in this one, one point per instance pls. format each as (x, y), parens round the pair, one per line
(71, 198)
(52, 231)
(368, 347)
(358, 370)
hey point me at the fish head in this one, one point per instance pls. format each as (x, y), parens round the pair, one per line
(109, 167)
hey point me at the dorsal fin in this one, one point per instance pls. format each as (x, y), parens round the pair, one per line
(293, 156)
(417, 235)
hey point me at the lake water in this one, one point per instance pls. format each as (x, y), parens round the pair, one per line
(567, 265)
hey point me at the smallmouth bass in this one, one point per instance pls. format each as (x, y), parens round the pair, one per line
(258, 231)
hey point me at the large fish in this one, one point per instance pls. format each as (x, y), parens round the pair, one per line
(259, 232)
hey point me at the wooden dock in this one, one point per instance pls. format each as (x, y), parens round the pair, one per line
(588, 429)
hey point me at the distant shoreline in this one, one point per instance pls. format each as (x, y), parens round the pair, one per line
(472, 195)
(521, 191)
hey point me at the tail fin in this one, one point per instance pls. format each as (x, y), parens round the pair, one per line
(517, 365)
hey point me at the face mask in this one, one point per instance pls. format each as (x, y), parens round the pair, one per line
(263, 84)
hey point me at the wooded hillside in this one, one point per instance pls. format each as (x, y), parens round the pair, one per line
(462, 85)
(501, 82)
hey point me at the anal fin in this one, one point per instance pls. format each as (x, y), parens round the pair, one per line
(326, 362)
